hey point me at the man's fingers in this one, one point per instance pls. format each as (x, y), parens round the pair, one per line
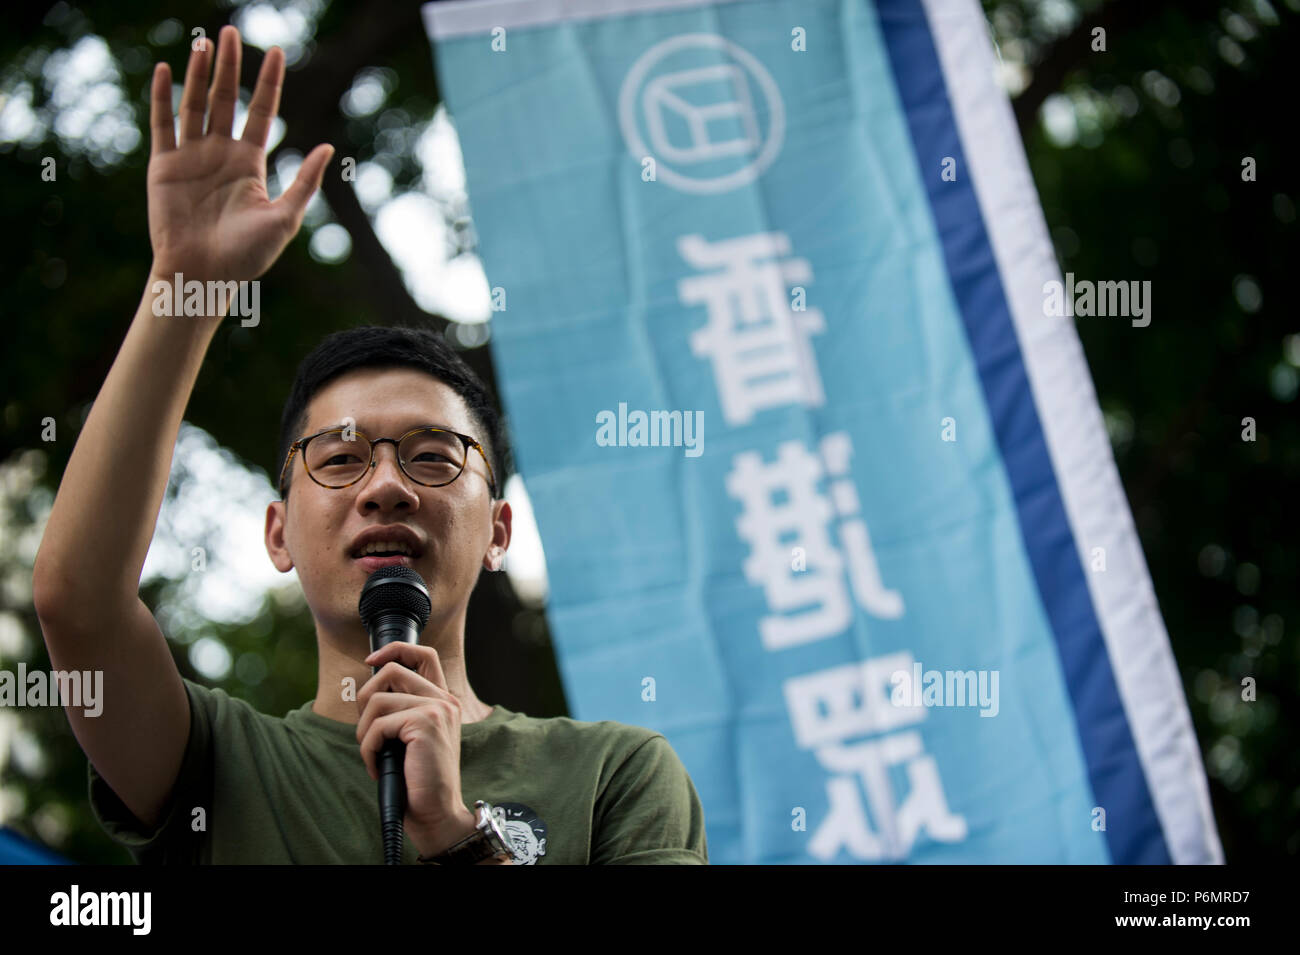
(424, 659)
(194, 99)
(371, 735)
(266, 98)
(390, 701)
(387, 724)
(397, 679)
(225, 83)
(310, 174)
(162, 132)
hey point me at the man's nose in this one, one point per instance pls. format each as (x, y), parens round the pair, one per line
(387, 471)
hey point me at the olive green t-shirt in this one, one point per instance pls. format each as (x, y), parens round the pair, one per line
(256, 789)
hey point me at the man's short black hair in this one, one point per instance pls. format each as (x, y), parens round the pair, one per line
(380, 346)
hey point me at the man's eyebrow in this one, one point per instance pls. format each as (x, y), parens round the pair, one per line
(414, 427)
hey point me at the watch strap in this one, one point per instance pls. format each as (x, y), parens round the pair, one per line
(473, 848)
(480, 844)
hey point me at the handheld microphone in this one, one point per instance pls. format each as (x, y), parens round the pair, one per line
(394, 607)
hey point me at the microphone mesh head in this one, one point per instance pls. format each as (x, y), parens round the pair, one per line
(395, 589)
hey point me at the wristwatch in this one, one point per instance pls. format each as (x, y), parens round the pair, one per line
(487, 840)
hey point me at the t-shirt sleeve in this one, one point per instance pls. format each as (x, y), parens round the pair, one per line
(649, 813)
(173, 840)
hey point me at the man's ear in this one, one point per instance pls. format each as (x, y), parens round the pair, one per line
(496, 552)
(276, 512)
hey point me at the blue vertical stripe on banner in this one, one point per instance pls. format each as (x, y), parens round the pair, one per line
(1133, 830)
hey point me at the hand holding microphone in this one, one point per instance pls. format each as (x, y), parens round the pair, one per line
(409, 729)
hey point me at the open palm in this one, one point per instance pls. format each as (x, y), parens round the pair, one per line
(210, 217)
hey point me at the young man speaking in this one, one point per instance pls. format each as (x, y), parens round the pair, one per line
(389, 447)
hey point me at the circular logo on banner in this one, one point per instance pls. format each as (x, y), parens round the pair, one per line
(525, 830)
(704, 110)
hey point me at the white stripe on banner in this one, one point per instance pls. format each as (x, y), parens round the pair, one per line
(468, 17)
(1141, 657)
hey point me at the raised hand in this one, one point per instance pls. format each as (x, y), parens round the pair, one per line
(210, 217)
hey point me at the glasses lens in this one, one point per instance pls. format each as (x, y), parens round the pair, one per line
(336, 462)
(433, 457)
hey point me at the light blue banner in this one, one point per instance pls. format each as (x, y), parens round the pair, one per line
(763, 378)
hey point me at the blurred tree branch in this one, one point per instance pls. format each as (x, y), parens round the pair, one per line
(1070, 51)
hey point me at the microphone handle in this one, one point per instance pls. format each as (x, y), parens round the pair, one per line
(392, 628)
(392, 798)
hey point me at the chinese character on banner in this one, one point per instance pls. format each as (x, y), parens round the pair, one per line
(828, 707)
(758, 344)
(773, 531)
